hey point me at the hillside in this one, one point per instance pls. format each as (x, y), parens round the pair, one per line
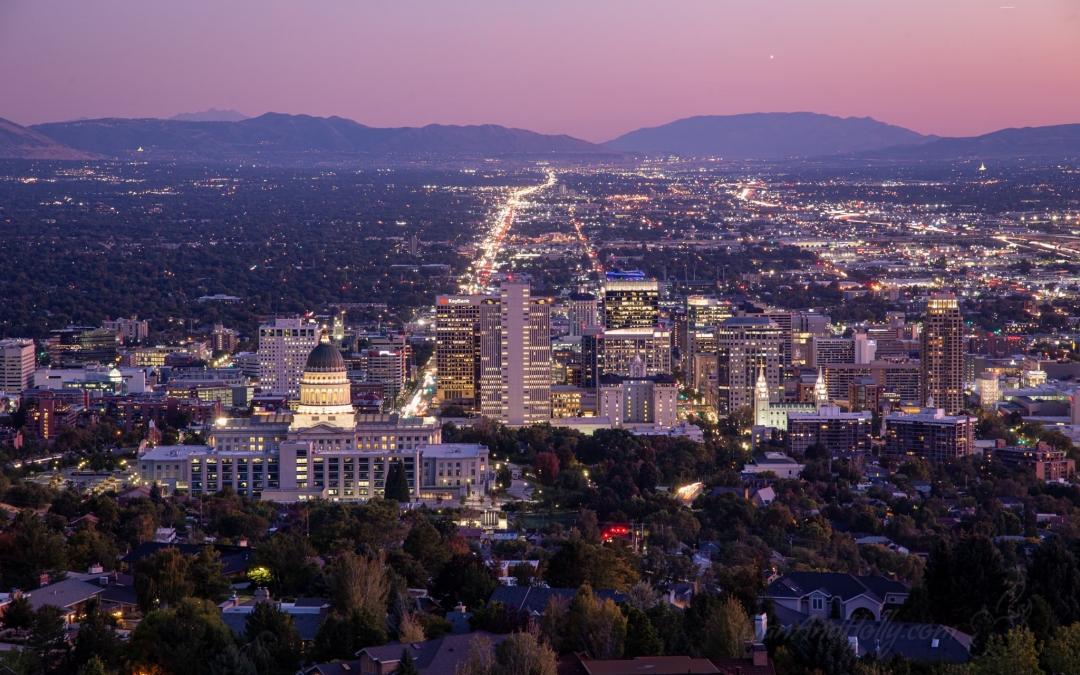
(1058, 141)
(276, 136)
(765, 136)
(18, 142)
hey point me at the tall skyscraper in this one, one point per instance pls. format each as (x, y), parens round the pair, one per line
(745, 345)
(942, 358)
(704, 311)
(631, 304)
(457, 349)
(16, 365)
(583, 309)
(515, 356)
(284, 345)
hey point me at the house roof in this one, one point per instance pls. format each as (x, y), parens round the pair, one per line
(234, 559)
(653, 665)
(911, 640)
(832, 584)
(440, 656)
(63, 594)
(534, 600)
(334, 668)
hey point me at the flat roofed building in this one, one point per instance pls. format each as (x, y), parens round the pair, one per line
(845, 433)
(930, 434)
(745, 345)
(17, 365)
(1044, 461)
(942, 354)
(457, 349)
(620, 347)
(284, 346)
(631, 304)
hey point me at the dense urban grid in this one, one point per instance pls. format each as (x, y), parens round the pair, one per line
(670, 416)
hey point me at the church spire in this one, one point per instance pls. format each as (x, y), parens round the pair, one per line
(821, 390)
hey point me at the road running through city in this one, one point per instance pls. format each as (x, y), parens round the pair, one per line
(477, 281)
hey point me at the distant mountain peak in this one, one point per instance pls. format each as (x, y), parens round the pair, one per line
(210, 115)
(766, 136)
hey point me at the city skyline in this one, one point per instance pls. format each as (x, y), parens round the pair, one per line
(592, 72)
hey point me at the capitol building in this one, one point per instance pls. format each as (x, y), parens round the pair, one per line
(322, 450)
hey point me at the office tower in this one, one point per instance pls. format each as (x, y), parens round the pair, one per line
(284, 345)
(386, 367)
(865, 349)
(701, 357)
(829, 351)
(942, 357)
(621, 347)
(901, 379)
(583, 309)
(930, 435)
(129, 330)
(705, 312)
(631, 304)
(843, 433)
(680, 331)
(17, 366)
(457, 349)
(224, 339)
(745, 344)
(515, 356)
(592, 346)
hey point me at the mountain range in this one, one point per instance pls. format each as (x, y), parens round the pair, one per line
(303, 139)
(766, 136)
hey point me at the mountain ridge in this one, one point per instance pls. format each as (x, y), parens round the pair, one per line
(280, 135)
(766, 136)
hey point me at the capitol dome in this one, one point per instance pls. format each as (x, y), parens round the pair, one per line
(325, 359)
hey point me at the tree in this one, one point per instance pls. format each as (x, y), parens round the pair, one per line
(397, 483)
(48, 637)
(1013, 653)
(92, 667)
(641, 637)
(19, 614)
(162, 578)
(188, 639)
(718, 627)
(406, 664)
(29, 550)
(206, 574)
(466, 580)
(286, 556)
(819, 644)
(980, 583)
(96, 639)
(277, 647)
(524, 654)
(410, 629)
(595, 626)
(1053, 575)
(547, 468)
(341, 636)
(1061, 654)
(359, 582)
(642, 596)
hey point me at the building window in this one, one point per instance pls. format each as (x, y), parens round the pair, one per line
(817, 602)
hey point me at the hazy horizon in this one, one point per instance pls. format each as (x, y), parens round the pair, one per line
(593, 71)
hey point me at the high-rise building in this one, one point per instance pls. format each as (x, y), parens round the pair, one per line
(17, 365)
(930, 435)
(129, 330)
(224, 339)
(865, 348)
(515, 356)
(457, 349)
(901, 379)
(942, 354)
(705, 312)
(745, 344)
(284, 345)
(592, 345)
(621, 347)
(386, 367)
(844, 433)
(829, 351)
(583, 309)
(631, 304)
(638, 398)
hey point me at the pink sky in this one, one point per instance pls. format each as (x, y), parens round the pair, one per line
(590, 68)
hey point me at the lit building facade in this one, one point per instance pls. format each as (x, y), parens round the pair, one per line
(631, 304)
(284, 345)
(942, 355)
(457, 349)
(515, 356)
(746, 344)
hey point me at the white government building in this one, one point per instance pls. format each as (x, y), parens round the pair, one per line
(322, 450)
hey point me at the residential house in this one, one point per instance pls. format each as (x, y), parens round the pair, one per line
(834, 595)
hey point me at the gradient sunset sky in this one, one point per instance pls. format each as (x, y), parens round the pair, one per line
(590, 68)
